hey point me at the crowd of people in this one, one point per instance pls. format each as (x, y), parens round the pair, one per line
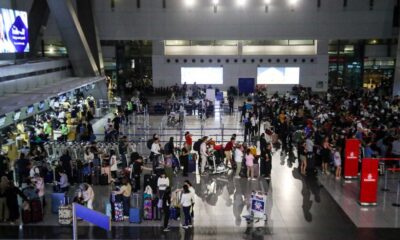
(310, 127)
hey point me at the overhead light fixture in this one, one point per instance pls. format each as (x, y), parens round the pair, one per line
(267, 3)
(215, 5)
(189, 3)
(241, 3)
(292, 4)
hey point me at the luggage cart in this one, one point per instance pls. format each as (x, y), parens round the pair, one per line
(258, 201)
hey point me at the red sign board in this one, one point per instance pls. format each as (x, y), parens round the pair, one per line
(369, 181)
(352, 153)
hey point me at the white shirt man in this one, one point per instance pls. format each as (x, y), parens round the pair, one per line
(203, 155)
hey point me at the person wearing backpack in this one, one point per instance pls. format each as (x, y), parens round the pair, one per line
(113, 164)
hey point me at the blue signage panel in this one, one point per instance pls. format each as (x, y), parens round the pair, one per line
(246, 85)
(94, 217)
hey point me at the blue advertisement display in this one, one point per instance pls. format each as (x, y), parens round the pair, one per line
(14, 37)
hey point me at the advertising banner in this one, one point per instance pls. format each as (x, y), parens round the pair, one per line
(369, 181)
(14, 37)
(352, 153)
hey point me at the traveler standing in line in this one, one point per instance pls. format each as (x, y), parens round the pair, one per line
(166, 204)
(184, 159)
(238, 159)
(39, 185)
(64, 184)
(186, 202)
(126, 191)
(203, 155)
(192, 191)
(113, 164)
(4, 183)
(12, 193)
(228, 152)
(87, 195)
(325, 155)
(249, 164)
(22, 167)
(162, 184)
(188, 141)
(338, 161)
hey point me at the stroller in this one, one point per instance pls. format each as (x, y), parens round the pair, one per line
(216, 162)
(172, 121)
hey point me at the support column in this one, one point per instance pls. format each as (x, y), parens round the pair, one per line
(396, 80)
(37, 17)
(74, 39)
(86, 19)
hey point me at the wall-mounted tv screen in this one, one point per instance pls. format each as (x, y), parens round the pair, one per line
(278, 75)
(17, 115)
(14, 37)
(29, 110)
(202, 75)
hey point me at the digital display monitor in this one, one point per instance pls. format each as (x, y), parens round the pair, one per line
(202, 75)
(2, 120)
(41, 106)
(14, 36)
(29, 110)
(278, 75)
(17, 115)
(51, 103)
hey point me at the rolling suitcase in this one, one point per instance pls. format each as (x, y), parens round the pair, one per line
(256, 169)
(26, 216)
(174, 213)
(95, 176)
(65, 215)
(135, 200)
(118, 212)
(36, 211)
(191, 163)
(134, 212)
(148, 209)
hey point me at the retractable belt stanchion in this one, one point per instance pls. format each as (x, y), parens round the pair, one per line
(385, 188)
(397, 203)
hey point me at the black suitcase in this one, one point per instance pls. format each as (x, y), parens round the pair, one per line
(150, 180)
(96, 176)
(104, 179)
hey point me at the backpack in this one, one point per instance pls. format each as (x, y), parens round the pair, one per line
(196, 145)
(149, 143)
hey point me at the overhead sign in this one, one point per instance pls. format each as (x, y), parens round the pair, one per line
(14, 36)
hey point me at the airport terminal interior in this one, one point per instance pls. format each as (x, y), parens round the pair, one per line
(199, 119)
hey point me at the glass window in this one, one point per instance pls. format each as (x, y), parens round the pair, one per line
(177, 42)
(301, 42)
(226, 43)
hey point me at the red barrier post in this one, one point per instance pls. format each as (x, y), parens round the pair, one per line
(369, 182)
(352, 153)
